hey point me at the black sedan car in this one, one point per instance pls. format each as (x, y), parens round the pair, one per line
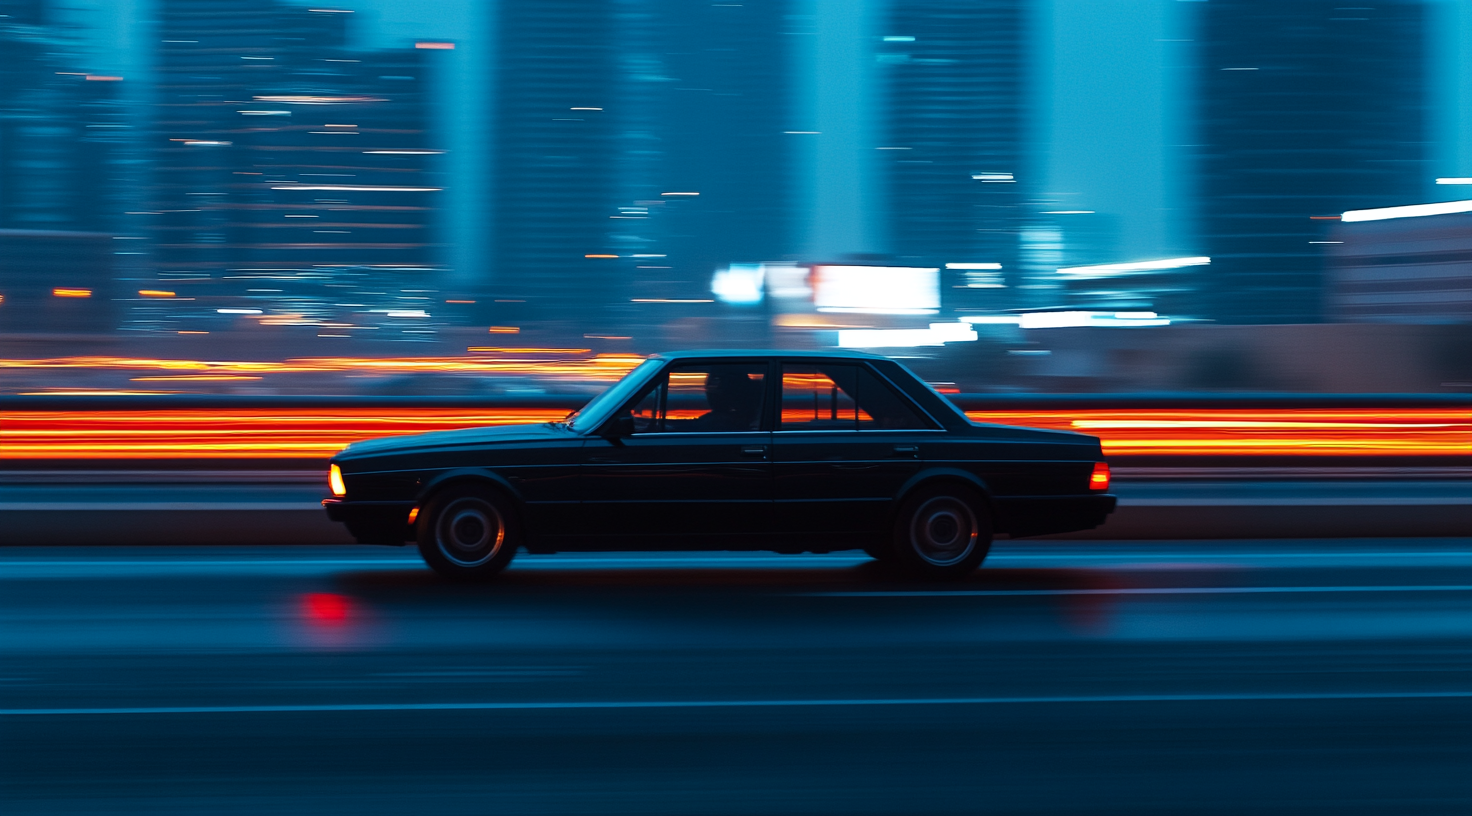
(729, 450)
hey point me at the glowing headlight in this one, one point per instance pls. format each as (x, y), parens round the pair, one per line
(334, 481)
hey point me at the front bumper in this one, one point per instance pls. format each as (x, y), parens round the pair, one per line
(373, 522)
(1043, 515)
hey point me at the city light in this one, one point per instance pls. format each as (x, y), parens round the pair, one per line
(303, 99)
(1134, 268)
(897, 290)
(1071, 319)
(937, 335)
(739, 284)
(359, 187)
(1409, 211)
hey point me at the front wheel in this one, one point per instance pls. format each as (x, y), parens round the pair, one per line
(468, 533)
(942, 532)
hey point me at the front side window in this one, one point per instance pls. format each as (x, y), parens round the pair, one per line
(700, 398)
(842, 397)
(593, 413)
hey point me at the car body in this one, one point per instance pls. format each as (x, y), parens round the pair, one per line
(789, 451)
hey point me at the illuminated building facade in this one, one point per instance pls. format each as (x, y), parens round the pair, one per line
(639, 148)
(60, 130)
(953, 139)
(62, 133)
(1407, 266)
(1305, 109)
(294, 180)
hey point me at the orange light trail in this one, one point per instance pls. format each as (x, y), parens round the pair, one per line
(317, 433)
(570, 363)
(1259, 432)
(231, 434)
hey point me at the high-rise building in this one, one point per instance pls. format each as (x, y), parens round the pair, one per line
(62, 133)
(640, 148)
(554, 126)
(953, 139)
(1305, 109)
(61, 128)
(294, 180)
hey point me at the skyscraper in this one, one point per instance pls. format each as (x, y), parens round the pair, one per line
(640, 147)
(953, 128)
(60, 129)
(294, 180)
(62, 132)
(1306, 109)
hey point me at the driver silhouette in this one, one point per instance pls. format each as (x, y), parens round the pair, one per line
(734, 398)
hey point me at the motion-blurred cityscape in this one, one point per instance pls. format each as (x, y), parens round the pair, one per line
(460, 197)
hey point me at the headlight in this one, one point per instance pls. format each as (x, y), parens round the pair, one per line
(334, 481)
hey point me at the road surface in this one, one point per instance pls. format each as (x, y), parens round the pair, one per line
(1225, 677)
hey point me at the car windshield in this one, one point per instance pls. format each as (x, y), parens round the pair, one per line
(590, 415)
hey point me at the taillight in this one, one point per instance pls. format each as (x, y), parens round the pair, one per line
(1099, 479)
(334, 481)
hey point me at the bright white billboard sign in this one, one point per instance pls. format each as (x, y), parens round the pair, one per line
(876, 289)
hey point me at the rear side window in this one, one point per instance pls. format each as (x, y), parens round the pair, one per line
(881, 409)
(842, 397)
(818, 398)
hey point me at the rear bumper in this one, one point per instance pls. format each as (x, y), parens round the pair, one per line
(1043, 515)
(373, 522)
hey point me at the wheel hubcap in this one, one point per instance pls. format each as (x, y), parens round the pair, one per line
(943, 531)
(470, 532)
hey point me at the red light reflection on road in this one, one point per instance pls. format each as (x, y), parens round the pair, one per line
(326, 608)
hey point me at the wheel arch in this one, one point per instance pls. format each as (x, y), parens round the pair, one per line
(471, 476)
(943, 475)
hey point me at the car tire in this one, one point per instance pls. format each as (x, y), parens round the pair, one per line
(941, 532)
(468, 533)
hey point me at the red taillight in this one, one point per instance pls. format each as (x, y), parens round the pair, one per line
(1099, 479)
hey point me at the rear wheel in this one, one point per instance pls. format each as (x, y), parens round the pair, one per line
(468, 533)
(942, 532)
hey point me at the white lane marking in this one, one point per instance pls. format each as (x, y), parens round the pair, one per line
(315, 562)
(522, 562)
(817, 703)
(157, 507)
(1143, 555)
(1327, 501)
(1003, 593)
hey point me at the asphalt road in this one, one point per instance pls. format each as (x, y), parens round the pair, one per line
(1227, 677)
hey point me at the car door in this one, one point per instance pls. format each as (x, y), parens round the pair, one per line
(843, 447)
(696, 468)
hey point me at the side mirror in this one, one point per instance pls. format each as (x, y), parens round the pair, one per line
(621, 426)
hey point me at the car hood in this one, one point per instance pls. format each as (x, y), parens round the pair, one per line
(504, 434)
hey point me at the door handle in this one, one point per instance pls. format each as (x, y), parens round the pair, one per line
(755, 450)
(907, 450)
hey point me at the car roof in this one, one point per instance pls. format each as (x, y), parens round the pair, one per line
(834, 354)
